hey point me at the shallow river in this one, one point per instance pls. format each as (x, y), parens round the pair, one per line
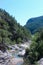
(16, 56)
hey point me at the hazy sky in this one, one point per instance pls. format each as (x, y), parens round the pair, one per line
(22, 10)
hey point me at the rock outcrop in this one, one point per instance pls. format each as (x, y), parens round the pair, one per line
(40, 62)
(5, 58)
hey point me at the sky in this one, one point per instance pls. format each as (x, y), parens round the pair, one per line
(23, 10)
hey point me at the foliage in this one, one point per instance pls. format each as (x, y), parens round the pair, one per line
(34, 24)
(35, 52)
(11, 31)
(19, 40)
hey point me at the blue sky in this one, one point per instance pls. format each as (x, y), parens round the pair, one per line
(22, 10)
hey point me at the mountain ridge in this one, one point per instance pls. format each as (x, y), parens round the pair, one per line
(34, 24)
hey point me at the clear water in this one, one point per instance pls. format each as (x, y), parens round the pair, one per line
(16, 56)
(20, 63)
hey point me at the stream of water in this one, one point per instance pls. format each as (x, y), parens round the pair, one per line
(16, 56)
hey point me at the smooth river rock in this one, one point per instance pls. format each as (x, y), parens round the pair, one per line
(7, 59)
(40, 62)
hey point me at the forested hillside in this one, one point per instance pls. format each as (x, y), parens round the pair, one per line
(35, 53)
(11, 31)
(34, 24)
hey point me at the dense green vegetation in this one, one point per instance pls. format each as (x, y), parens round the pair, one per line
(34, 24)
(11, 31)
(35, 52)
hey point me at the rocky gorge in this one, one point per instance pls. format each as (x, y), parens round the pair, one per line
(10, 57)
(7, 59)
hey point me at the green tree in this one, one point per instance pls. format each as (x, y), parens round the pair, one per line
(36, 48)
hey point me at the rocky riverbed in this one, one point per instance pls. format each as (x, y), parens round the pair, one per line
(7, 59)
(10, 57)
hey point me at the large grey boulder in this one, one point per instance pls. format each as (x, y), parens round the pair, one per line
(40, 62)
(5, 58)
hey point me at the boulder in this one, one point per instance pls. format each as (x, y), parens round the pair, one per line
(40, 62)
(5, 58)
